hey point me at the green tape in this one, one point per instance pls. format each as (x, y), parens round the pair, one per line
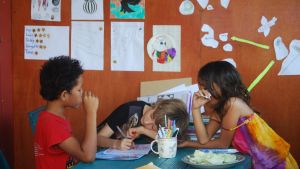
(234, 38)
(260, 76)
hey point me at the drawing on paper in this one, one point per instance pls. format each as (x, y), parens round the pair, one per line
(161, 49)
(89, 6)
(127, 9)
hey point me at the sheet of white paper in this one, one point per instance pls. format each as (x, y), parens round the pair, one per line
(138, 149)
(43, 42)
(127, 46)
(224, 3)
(173, 31)
(88, 44)
(230, 60)
(227, 47)
(203, 3)
(223, 37)
(266, 25)
(87, 9)
(210, 7)
(45, 10)
(291, 64)
(208, 39)
(175, 89)
(186, 7)
(280, 49)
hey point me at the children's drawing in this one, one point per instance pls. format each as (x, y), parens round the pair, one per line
(43, 42)
(87, 9)
(266, 25)
(291, 64)
(186, 7)
(48, 10)
(161, 49)
(165, 47)
(89, 6)
(127, 9)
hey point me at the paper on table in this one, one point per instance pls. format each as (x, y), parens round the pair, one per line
(148, 166)
(88, 44)
(113, 154)
(127, 46)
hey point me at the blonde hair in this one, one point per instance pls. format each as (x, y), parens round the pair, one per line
(174, 109)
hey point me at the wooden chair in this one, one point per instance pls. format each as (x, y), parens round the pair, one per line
(3, 162)
(33, 117)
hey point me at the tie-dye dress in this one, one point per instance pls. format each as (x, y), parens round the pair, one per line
(268, 150)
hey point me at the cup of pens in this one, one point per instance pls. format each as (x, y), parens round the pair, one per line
(166, 141)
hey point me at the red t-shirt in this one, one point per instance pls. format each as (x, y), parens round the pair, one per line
(50, 131)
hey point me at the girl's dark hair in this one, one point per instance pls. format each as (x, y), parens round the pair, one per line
(174, 109)
(227, 78)
(59, 74)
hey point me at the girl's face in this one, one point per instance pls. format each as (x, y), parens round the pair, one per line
(74, 98)
(148, 121)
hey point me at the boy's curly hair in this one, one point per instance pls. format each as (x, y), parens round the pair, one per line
(58, 74)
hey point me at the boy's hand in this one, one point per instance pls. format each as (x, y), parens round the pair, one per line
(90, 102)
(135, 132)
(125, 144)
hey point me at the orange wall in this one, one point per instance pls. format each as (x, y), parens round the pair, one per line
(6, 95)
(276, 97)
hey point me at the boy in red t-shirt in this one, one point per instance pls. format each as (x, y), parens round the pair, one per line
(61, 86)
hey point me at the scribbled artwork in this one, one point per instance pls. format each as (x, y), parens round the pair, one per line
(161, 49)
(43, 42)
(127, 9)
(87, 9)
(48, 10)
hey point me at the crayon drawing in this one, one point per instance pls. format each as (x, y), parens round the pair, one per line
(127, 9)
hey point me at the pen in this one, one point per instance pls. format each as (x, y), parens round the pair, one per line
(122, 133)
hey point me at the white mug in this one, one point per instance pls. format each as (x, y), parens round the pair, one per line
(167, 147)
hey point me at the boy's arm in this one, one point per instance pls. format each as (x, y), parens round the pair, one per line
(137, 131)
(104, 140)
(87, 150)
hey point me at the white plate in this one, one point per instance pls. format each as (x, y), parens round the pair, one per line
(239, 158)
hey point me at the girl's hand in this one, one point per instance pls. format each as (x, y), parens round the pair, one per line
(90, 102)
(183, 144)
(200, 98)
(125, 144)
(135, 132)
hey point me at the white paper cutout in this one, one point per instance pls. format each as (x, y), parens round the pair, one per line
(291, 65)
(266, 25)
(186, 7)
(210, 7)
(87, 9)
(208, 39)
(231, 61)
(43, 42)
(173, 31)
(223, 37)
(45, 10)
(203, 3)
(127, 46)
(227, 47)
(280, 49)
(224, 3)
(88, 44)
